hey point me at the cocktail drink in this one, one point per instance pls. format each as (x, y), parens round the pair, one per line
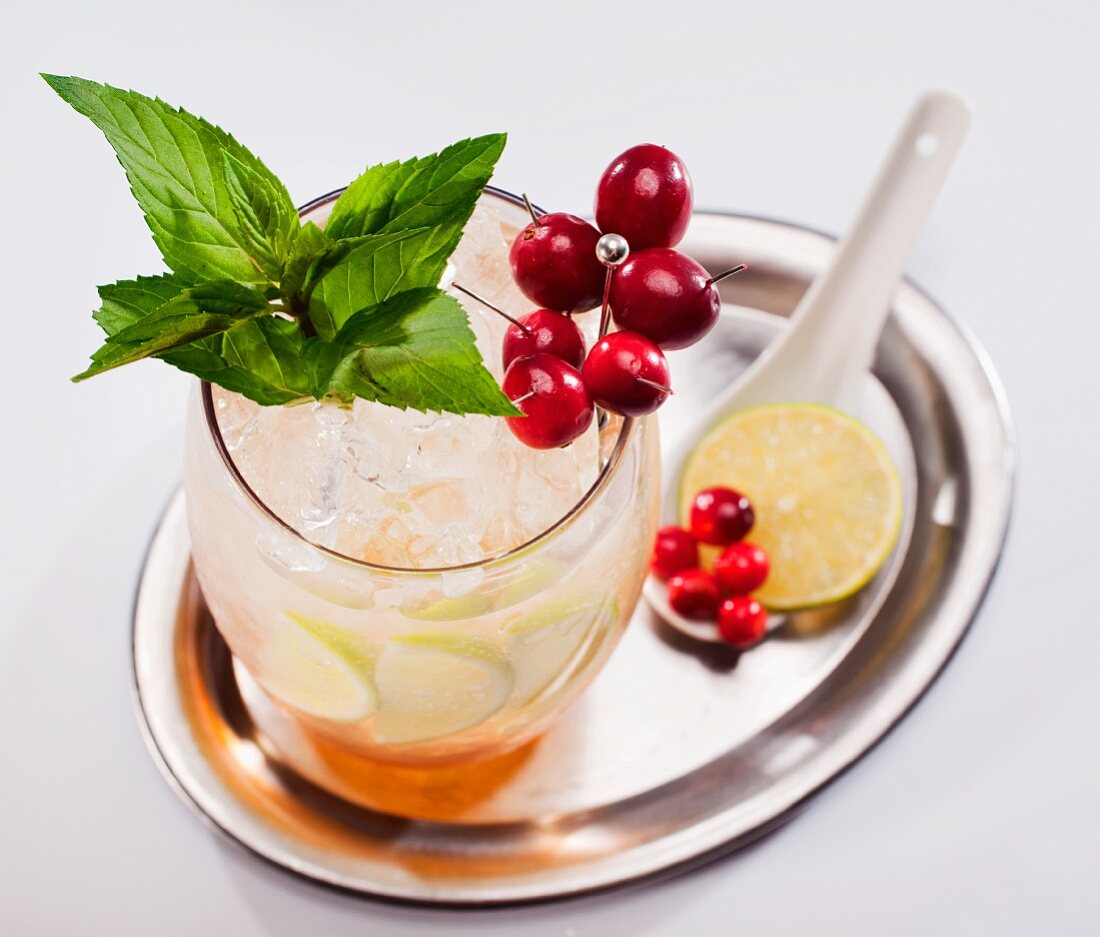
(421, 465)
(420, 588)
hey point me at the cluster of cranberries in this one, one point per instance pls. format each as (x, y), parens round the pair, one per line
(720, 517)
(658, 298)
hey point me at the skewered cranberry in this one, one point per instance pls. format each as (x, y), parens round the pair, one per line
(554, 263)
(666, 296)
(626, 373)
(544, 330)
(552, 396)
(646, 196)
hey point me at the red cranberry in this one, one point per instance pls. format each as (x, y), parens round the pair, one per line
(547, 331)
(742, 621)
(554, 263)
(674, 550)
(646, 196)
(741, 568)
(694, 594)
(626, 373)
(666, 296)
(720, 516)
(553, 398)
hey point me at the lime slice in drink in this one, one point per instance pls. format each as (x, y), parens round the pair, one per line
(544, 643)
(452, 608)
(826, 495)
(537, 574)
(316, 668)
(434, 684)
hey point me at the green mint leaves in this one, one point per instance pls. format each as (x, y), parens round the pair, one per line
(276, 310)
(266, 219)
(402, 350)
(175, 164)
(194, 313)
(260, 358)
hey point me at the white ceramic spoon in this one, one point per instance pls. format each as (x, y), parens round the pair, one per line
(828, 347)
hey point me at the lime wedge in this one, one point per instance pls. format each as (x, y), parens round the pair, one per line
(543, 643)
(827, 497)
(316, 668)
(434, 684)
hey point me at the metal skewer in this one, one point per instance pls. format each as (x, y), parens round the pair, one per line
(727, 273)
(611, 251)
(656, 385)
(530, 209)
(494, 307)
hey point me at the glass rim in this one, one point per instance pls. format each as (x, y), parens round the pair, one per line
(607, 470)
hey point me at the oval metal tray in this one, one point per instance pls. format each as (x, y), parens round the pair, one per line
(679, 751)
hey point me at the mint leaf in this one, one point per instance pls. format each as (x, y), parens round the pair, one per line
(195, 313)
(220, 301)
(437, 192)
(266, 219)
(414, 350)
(377, 267)
(420, 192)
(334, 252)
(272, 349)
(128, 301)
(309, 243)
(262, 359)
(272, 381)
(174, 163)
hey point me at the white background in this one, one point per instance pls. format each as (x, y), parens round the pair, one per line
(979, 815)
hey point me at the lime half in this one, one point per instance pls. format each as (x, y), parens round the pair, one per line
(826, 494)
(316, 668)
(434, 684)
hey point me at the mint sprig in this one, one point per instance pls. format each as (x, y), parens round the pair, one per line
(276, 310)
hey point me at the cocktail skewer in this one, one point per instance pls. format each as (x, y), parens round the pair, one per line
(495, 308)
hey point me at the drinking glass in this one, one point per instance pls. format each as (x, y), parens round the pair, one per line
(422, 667)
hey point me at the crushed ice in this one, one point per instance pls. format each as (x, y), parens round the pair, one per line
(408, 489)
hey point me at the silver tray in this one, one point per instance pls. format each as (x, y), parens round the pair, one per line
(678, 752)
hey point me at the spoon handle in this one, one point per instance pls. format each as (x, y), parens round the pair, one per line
(833, 333)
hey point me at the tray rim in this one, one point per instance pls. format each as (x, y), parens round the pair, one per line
(659, 871)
